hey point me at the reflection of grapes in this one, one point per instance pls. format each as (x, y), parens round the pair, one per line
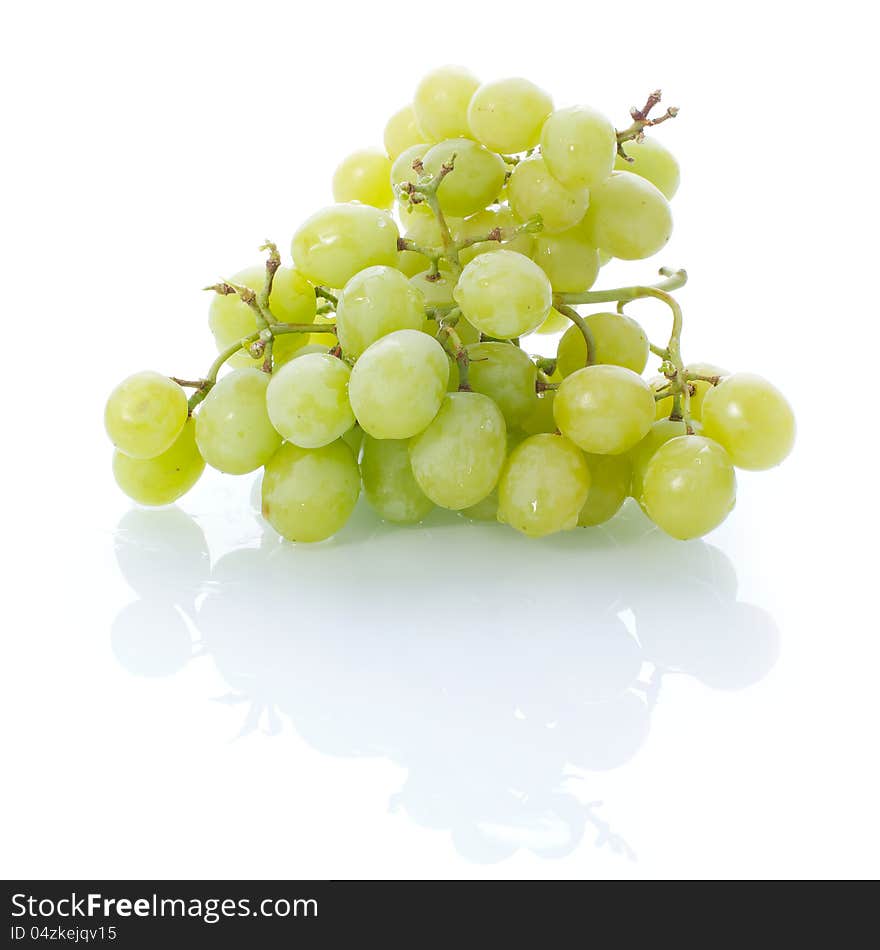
(481, 848)
(602, 661)
(150, 639)
(487, 717)
(162, 554)
(743, 644)
(627, 717)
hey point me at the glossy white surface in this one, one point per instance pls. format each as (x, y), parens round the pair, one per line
(185, 696)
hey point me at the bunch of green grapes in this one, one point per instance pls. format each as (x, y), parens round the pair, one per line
(391, 356)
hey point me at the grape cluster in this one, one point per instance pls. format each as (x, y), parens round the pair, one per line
(392, 356)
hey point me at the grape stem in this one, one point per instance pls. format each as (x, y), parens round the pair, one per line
(246, 295)
(450, 251)
(424, 191)
(581, 324)
(204, 386)
(673, 366)
(273, 262)
(279, 329)
(438, 313)
(260, 343)
(713, 380)
(533, 225)
(640, 121)
(323, 292)
(497, 235)
(545, 364)
(433, 254)
(451, 341)
(674, 280)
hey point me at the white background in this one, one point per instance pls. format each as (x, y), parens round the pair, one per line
(450, 700)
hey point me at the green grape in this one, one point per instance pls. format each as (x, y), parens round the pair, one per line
(689, 486)
(618, 341)
(579, 146)
(292, 301)
(752, 420)
(554, 323)
(504, 294)
(505, 374)
(307, 349)
(441, 102)
(653, 161)
(483, 223)
(660, 433)
(604, 257)
(354, 439)
(609, 486)
(364, 176)
(544, 485)
(436, 289)
(457, 459)
(230, 318)
(467, 333)
(144, 414)
(570, 263)
(487, 509)
(309, 494)
(398, 384)
(411, 263)
(375, 302)
(307, 400)
(408, 212)
(402, 132)
(475, 180)
(628, 217)
(540, 419)
(402, 170)
(424, 229)
(664, 406)
(233, 430)
(389, 484)
(338, 241)
(165, 478)
(604, 410)
(507, 115)
(533, 190)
